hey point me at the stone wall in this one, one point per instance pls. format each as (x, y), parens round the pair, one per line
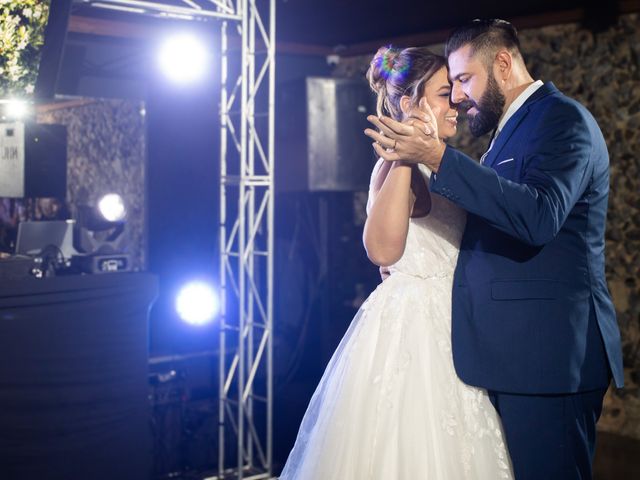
(601, 70)
(106, 152)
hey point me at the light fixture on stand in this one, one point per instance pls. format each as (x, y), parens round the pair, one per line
(100, 237)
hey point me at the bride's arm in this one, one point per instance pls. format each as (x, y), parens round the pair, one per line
(390, 203)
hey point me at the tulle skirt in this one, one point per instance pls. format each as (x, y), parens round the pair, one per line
(390, 406)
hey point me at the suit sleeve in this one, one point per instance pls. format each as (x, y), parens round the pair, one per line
(556, 171)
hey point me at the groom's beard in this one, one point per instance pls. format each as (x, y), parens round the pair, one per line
(489, 109)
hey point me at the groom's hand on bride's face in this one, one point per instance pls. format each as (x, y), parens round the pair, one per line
(414, 141)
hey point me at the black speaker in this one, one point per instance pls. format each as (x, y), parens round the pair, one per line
(33, 160)
(321, 146)
(46, 160)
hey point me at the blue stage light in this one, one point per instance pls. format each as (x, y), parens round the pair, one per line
(197, 303)
(183, 58)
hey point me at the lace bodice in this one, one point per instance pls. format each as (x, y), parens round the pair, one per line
(433, 241)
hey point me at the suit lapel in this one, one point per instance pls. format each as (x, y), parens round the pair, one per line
(505, 134)
(517, 118)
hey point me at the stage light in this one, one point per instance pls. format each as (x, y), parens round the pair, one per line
(100, 236)
(112, 208)
(197, 303)
(16, 109)
(183, 58)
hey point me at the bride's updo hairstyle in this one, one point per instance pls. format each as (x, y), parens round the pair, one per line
(395, 72)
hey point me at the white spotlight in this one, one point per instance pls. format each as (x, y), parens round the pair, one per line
(16, 109)
(183, 58)
(112, 207)
(197, 303)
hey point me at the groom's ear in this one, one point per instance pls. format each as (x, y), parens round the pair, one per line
(405, 104)
(503, 64)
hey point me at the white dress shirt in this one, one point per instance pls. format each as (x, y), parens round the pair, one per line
(517, 103)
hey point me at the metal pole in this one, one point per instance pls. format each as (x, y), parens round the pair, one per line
(271, 228)
(223, 258)
(242, 244)
(251, 265)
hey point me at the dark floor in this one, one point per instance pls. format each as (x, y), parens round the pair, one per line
(617, 458)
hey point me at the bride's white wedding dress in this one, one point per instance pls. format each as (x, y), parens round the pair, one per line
(389, 405)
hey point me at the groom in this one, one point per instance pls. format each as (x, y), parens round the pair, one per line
(533, 322)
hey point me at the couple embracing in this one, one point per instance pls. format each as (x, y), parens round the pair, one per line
(488, 348)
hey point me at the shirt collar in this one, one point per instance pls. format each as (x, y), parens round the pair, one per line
(518, 102)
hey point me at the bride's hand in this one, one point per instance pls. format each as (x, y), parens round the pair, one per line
(424, 118)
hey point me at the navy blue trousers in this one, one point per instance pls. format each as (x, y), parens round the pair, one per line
(550, 437)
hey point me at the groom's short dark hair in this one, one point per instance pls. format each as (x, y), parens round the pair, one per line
(485, 37)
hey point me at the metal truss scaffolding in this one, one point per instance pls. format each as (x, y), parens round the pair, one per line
(246, 242)
(247, 119)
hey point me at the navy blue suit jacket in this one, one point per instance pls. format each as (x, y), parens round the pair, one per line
(531, 309)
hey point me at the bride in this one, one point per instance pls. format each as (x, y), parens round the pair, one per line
(389, 405)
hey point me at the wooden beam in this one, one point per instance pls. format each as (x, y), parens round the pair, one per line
(440, 36)
(62, 104)
(109, 28)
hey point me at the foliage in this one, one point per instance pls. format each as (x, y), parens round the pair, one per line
(22, 24)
